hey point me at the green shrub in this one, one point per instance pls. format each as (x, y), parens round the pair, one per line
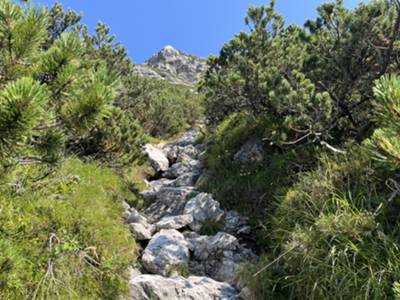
(62, 236)
(163, 109)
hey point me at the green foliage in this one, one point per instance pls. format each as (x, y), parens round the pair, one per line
(387, 106)
(51, 93)
(22, 105)
(61, 21)
(62, 236)
(163, 109)
(116, 141)
(315, 81)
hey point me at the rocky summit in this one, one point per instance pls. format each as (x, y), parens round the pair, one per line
(179, 257)
(174, 66)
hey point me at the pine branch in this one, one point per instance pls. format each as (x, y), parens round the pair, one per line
(45, 127)
(396, 31)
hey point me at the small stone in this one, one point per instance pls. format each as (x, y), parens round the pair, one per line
(246, 230)
(251, 152)
(174, 222)
(125, 205)
(140, 231)
(136, 217)
(187, 179)
(234, 222)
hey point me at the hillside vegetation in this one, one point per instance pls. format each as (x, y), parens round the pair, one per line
(323, 99)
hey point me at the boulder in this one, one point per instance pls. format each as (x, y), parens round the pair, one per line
(156, 185)
(205, 247)
(251, 152)
(177, 170)
(174, 222)
(149, 287)
(157, 158)
(186, 166)
(204, 209)
(218, 256)
(187, 179)
(141, 231)
(170, 201)
(166, 253)
(177, 153)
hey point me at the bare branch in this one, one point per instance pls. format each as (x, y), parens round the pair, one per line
(330, 147)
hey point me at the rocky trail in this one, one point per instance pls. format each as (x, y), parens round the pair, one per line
(179, 260)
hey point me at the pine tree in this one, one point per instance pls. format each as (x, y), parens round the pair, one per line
(52, 91)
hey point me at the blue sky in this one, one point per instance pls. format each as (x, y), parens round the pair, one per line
(198, 27)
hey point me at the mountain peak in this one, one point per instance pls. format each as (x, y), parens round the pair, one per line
(169, 48)
(173, 65)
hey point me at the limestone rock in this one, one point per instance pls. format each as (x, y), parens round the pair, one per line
(156, 185)
(187, 179)
(136, 217)
(177, 170)
(166, 252)
(204, 209)
(189, 151)
(174, 222)
(170, 201)
(189, 138)
(148, 195)
(251, 152)
(219, 256)
(149, 287)
(141, 231)
(236, 224)
(157, 158)
(126, 206)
